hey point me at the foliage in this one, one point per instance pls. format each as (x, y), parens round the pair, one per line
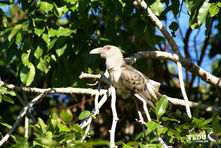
(46, 44)
(56, 134)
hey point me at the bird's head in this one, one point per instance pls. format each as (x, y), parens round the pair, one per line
(108, 51)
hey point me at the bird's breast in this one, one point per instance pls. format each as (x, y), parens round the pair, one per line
(115, 77)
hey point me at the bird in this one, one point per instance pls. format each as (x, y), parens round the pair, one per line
(125, 78)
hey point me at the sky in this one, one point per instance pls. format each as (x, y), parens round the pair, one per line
(184, 25)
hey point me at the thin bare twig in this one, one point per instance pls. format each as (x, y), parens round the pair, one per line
(115, 118)
(96, 102)
(97, 99)
(20, 116)
(26, 126)
(97, 76)
(179, 67)
(101, 102)
(24, 101)
(144, 106)
(148, 118)
(86, 131)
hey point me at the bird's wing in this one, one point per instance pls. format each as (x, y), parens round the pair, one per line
(132, 79)
(136, 82)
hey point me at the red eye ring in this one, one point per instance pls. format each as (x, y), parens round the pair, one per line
(107, 48)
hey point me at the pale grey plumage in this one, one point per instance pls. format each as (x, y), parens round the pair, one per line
(126, 78)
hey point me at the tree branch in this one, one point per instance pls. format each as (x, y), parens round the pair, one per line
(204, 75)
(203, 51)
(175, 101)
(208, 108)
(89, 91)
(69, 90)
(174, 48)
(186, 51)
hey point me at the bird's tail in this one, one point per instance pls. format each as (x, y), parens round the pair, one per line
(156, 85)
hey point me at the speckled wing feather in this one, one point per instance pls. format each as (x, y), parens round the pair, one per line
(136, 82)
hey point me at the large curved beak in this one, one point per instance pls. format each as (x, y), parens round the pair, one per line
(97, 50)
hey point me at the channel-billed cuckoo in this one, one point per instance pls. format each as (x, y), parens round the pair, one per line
(125, 78)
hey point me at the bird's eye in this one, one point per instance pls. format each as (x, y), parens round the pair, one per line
(107, 48)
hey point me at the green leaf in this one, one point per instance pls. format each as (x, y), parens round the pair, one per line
(43, 65)
(127, 146)
(39, 31)
(170, 119)
(84, 115)
(77, 128)
(5, 3)
(7, 99)
(203, 12)
(42, 125)
(46, 38)
(65, 116)
(131, 144)
(150, 39)
(60, 51)
(161, 106)
(52, 32)
(25, 58)
(151, 125)
(204, 123)
(14, 31)
(157, 7)
(199, 12)
(59, 11)
(213, 10)
(46, 6)
(197, 122)
(152, 145)
(53, 122)
(161, 130)
(64, 32)
(23, 143)
(51, 44)
(4, 21)
(216, 123)
(18, 38)
(6, 125)
(53, 57)
(63, 128)
(27, 44)
(4, 90)
(27, 74)
(38, 52)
